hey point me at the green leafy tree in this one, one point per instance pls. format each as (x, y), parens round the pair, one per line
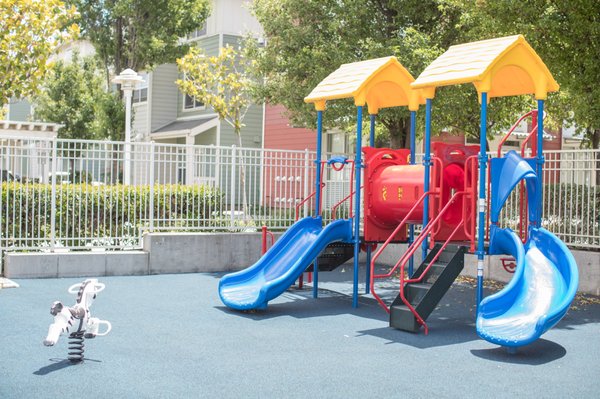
(140, 34)
(30, 31)
(566, 34)
(307, 40)
(74, 94)
(223, 82)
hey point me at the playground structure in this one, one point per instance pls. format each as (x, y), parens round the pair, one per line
(77, 320)
(446, 195)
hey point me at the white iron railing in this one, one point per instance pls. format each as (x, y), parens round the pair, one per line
(571, 199)
(67, 193)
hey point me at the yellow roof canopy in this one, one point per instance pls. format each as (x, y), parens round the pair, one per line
(380, 83)
(505, 66)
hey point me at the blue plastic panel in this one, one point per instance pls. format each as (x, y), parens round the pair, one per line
(507, 173)
(543, 286)
(277, 270)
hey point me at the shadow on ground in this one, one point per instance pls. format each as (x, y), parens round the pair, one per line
(59, 364)
(300, 304)
(540, 352)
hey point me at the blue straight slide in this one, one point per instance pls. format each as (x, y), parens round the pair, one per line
(546, 276)
(278, 269)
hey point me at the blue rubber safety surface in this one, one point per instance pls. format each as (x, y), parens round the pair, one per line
(173, 338)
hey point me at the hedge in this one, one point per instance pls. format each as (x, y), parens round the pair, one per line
(84, 211)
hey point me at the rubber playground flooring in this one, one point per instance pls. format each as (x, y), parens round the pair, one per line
(173, 338)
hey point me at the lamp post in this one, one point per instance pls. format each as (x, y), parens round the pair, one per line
(128, 80)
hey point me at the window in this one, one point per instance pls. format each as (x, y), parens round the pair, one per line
(197, 33)
(140, 94)
(191, 102)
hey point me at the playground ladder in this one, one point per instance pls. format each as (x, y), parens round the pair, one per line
(334, 255)
(424, 295)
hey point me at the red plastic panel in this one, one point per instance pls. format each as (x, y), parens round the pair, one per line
(453, 157)
(383, 194)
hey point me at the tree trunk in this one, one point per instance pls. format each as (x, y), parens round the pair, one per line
(242, 177)
(399, 132)
(119, 49)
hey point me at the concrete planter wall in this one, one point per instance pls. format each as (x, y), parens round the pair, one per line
(220, 252)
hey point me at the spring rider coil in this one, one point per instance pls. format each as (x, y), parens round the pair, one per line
(76, 321)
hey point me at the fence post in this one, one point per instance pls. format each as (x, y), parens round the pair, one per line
(233, 186)
(53, 196)
(307, 167)
(261, 190)
(151, 200)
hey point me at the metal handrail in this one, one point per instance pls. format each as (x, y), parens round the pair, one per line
(523, 221)
(438, 173)
(306, 199)
(470, 187)
(512, 129)
(533, 114)
(420, 320)
(410, 252)
(335, 207)
(387, 242)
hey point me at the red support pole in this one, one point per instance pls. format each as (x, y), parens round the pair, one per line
(264, 240)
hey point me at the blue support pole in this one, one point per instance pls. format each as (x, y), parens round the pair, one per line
(318, 194)
(481, 204)
(368, 273)
(372, 131)
(358, 166)
(540, 161)
(427, 164)
(413, 139)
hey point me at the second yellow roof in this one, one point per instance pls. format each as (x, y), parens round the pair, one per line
(503, 66)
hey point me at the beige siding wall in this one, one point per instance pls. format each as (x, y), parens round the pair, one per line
(251, 133)
(207, 138)
(19, 110)
(139, 126)
(164, 95)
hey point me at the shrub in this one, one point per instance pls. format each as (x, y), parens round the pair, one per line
(100, 213)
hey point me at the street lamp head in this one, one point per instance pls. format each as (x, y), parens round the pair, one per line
(128, 79)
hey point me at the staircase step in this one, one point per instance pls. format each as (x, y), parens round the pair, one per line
(425, 295)
(415, 292)
(401, 318)
(448, 253)
(434, 272)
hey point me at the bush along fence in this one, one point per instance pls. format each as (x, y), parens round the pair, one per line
(84, 216)
(70, 194)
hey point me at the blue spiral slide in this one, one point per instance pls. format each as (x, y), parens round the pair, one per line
(278, 269)
(546, 276)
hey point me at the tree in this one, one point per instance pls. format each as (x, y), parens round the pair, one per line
(74, 94)
(307, 40)
(140, 34)
(566, 34)
(30, 31)
(223, 82)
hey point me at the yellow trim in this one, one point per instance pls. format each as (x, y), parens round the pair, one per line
(378, 83)
(501, 67)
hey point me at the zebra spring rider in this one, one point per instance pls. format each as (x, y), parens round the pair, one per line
(76, 320)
